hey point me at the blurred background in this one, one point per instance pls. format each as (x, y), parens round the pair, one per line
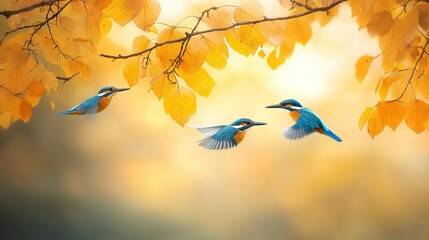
(133, 173)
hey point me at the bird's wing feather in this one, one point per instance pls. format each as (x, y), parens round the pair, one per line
(89, 106)
(209, 131)
(306, 124)
(222, 139)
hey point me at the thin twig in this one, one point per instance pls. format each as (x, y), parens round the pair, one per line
(9, 13)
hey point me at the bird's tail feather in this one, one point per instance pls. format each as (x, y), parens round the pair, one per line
(333, 136)
(71, 111)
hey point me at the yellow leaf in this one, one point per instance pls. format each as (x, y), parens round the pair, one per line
(77, 66)
(132, 70)
(217, 50)
(34, 92)
(375, 125)
(180, 105)
(286, 4)
(148, 14)
(123, 11)
(394, 43)
(245, 39)
(417, 115)
(161, 85)
(391, 113)
(364, 117)
(105, 26)
(380, 23)
(423, 84)
(279, 55)
(249, 10)
(424, 16)
(217, 18)
(5, 119)
(364, 9)
(299, 29)
(168, 52)
(141, 43)
(199, 80)
(25, 111)
(362, 66)
(262, 54)
(195, 54)
(384, 87)
(152, 29)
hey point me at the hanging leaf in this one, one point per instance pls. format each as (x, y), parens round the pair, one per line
(375, 124)
(417, 115)
(362, 66)
(180, 105)
(391, 113)
(364, 117)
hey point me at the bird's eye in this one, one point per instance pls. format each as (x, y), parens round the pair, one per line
(110, 89)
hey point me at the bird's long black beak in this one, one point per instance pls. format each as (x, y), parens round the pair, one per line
(259, 123)
(274, 106)
(121, 89)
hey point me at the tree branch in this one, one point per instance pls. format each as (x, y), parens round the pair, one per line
(413, 71)
(9, 13)
(234, 25)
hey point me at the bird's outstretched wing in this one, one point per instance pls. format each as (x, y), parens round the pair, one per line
(223, 138)
(306, 124)
(208, 131)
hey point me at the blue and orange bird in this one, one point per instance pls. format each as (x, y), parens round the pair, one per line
(226, 136)
(306, 121)
(94, 104)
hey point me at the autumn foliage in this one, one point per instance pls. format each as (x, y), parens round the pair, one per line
(65, 33)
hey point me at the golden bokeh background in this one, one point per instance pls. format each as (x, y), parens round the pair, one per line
(131, 172)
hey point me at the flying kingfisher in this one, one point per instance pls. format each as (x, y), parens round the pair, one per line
(306, 121)
(226, 136)
(94, 104)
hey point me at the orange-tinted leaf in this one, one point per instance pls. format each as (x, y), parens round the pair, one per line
(417, 115)
(299, 29)
(161, 86)
(217, 18)
(364, 9)
(195, 54)
(245, 39)
(180, 105)
(262, 54)
(391, 113)
(5, 119)
(199, 80)
(375, 124)
(25, 111)
(169, 52)
(80, 67)
(132, 70)
(364, 117)
(141, 43)
(123, 11)
(362, 66)
(424, 16)
(148, 14)
(105, 26)
(380, 23)
(217, 50)
(249, 10)
(279, 55)
(384, 88)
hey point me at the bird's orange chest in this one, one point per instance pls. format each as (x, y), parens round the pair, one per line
(239, 136)
(294, 115)
(103, 103)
